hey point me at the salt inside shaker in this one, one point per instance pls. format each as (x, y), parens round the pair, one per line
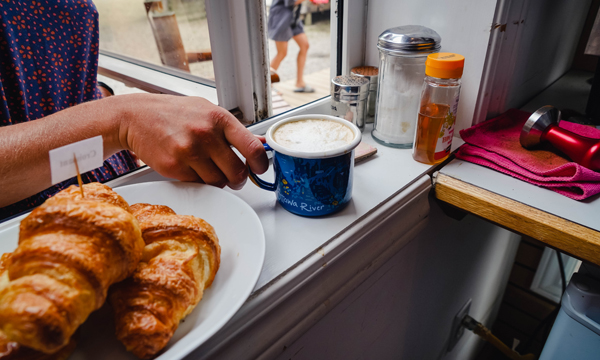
(349, 98)
(403, 51)
(371, 73)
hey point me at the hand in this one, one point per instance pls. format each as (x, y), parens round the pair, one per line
(190, 139)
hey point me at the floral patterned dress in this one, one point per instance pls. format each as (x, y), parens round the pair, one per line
(48, 62)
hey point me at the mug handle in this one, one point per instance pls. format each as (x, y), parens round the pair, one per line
(259, 182)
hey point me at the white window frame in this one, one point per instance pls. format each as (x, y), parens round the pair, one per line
(237, 30)
(242, 75)
(242, 82)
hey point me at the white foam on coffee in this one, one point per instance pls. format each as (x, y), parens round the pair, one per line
(313, 135)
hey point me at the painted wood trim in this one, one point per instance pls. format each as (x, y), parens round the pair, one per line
(571, 238)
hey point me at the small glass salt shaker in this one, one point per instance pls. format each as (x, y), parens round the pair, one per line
(349, 98)
(371, 73)
(402, 54)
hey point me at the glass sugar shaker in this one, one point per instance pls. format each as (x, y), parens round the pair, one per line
(371, 73)
(349, 98)
(402, 54)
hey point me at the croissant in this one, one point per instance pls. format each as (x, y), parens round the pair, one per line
(71, 249)
(94, 191)
(180, 260)
(10, 350)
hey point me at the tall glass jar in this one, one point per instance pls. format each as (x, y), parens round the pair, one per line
(402, 54)
(438, 108)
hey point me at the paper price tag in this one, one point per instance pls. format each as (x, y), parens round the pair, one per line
(89, 153)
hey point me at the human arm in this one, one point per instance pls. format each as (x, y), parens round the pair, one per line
(185, 138)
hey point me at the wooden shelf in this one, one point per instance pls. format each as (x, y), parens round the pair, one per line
(568, 236)
(556, 220)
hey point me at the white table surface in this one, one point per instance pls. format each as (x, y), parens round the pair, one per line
(294, 242)
(290, 238)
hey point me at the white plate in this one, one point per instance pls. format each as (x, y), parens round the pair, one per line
(242, 254)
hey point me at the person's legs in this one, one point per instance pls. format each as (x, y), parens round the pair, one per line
(282, 47)
(302, 41)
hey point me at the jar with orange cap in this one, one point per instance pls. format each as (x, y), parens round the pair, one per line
(438, 107)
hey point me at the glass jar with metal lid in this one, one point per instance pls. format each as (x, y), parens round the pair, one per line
(402, 54)
(349, 98)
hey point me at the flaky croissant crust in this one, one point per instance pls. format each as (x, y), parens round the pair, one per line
(93, 191)
(180, 260)
(70, 251)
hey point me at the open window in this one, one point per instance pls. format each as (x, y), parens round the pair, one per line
(217, 49)
(159, 46)
(169, 33)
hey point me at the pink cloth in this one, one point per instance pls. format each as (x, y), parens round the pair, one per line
(495, 144)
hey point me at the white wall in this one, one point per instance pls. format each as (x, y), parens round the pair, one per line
(544, 52)
(513, 49)
(532, 46)
(464, 26)
(406, 308)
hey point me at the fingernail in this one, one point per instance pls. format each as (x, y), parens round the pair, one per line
(238, 186)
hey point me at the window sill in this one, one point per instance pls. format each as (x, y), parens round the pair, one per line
(152, 79)
(290, 238)
(389, 207)
(310, 262)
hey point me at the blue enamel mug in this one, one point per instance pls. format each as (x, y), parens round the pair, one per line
(311, 183)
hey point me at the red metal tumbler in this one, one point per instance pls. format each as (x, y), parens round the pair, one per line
(542, 126)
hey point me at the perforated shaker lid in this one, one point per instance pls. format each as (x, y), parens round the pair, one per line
(349, 87)
(410, 40)
(369, 72)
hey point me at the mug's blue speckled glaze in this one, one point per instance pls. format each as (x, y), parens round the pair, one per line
(313, 187)
(311, 183)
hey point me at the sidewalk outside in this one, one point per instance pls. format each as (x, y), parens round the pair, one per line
(124, 29)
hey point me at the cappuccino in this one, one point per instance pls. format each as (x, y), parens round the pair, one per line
(313, 135)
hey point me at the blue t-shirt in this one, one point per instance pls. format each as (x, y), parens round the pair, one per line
(49, 62)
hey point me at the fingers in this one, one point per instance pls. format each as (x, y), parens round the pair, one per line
(248, 145)
(230, 164)
(209, 173)
(190, 139)
(212, 157)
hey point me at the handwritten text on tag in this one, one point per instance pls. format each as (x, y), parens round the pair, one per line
(89, 153)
